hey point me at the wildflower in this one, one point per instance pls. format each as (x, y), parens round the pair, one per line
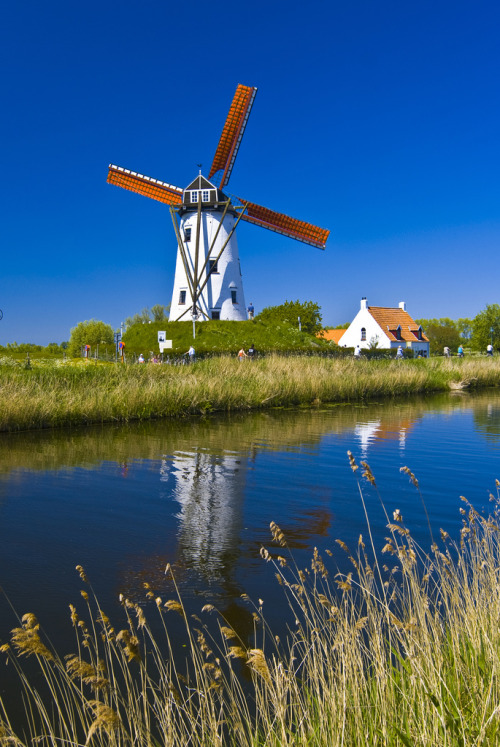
(368, 473)
(106, 719)
(397, 515)
(82, 573)
(410, 474)
(172, 604)
(353, 464)
(228, 633)
(257, 661)
(278, 535)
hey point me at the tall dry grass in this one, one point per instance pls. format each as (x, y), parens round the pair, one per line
(401, 650)
(50, 395)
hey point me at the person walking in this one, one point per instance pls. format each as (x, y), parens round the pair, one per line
(357, 352)
(489, 350)
(399, 354)
(446, 352)
(191, 354)
(241, 355)
(460, 351)
(250, 310)
(251, 352)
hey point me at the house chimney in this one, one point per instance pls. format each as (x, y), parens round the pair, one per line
(402, 305)
(364, 304)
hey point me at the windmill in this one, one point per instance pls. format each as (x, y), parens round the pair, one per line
(208, 282)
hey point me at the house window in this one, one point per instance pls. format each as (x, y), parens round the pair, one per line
(215, 314)
(194, 196)
(182, 298)
(205, 195)
(187, 233)
(212, 267)
(233, 296)
(420, 333)
(363, 334)
(398, 333)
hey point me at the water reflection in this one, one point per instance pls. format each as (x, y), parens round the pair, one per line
(210, 490)
(487, 420)
(275, 430)
(200, 494)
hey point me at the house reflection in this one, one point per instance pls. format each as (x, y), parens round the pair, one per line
(395, 428)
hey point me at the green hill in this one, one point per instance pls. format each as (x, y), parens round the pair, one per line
(221, 337)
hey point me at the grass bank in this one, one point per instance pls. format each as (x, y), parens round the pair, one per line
(401, 650)
(50, 395)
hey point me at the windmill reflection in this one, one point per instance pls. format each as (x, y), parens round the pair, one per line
(210, 490)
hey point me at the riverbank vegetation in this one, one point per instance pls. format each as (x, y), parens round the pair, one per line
(54, 394)
(399, 648)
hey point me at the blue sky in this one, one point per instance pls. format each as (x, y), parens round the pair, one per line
(379, 121)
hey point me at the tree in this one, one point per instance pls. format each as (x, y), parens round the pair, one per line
(441, 336)
(290, 311)
(482, 326)
(464, 327)
(160, 313)
(92, 332)
(441, 333)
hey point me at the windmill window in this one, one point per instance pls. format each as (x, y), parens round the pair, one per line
(194, 196)
(233, 296)
(187, 233)
(205, 196)
(363, 334)
(182, 298)
(215, 314)
(212, 267)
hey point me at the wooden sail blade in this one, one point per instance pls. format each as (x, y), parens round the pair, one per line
(232, 133)
(144, 185)
(295, 229)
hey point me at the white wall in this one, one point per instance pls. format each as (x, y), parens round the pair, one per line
(217, 292)
(352, 336)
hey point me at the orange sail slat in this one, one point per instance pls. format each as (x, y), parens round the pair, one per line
(144, 185)
(295, 229)
(232, 133)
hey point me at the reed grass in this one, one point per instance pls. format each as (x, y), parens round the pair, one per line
(401, 650)
(51, 395)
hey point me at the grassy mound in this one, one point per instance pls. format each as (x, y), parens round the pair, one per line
(221, 337)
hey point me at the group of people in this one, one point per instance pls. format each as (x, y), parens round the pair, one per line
(250, 354)
(153, 359)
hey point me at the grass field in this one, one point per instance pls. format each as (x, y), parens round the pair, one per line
(53, 394)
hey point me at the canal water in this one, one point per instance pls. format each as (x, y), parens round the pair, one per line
(123, 501)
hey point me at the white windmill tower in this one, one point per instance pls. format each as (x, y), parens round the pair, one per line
(208, 282)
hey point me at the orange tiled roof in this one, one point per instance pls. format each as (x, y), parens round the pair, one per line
(332, 335)
(390, 319)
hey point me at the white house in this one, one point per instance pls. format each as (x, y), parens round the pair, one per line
(378, 326)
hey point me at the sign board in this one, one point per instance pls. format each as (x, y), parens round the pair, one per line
(161, 336)
(167, 344)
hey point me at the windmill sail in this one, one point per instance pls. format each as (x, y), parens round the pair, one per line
(295, 229)
(144, 185)
(232, 134)
(208, 279)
